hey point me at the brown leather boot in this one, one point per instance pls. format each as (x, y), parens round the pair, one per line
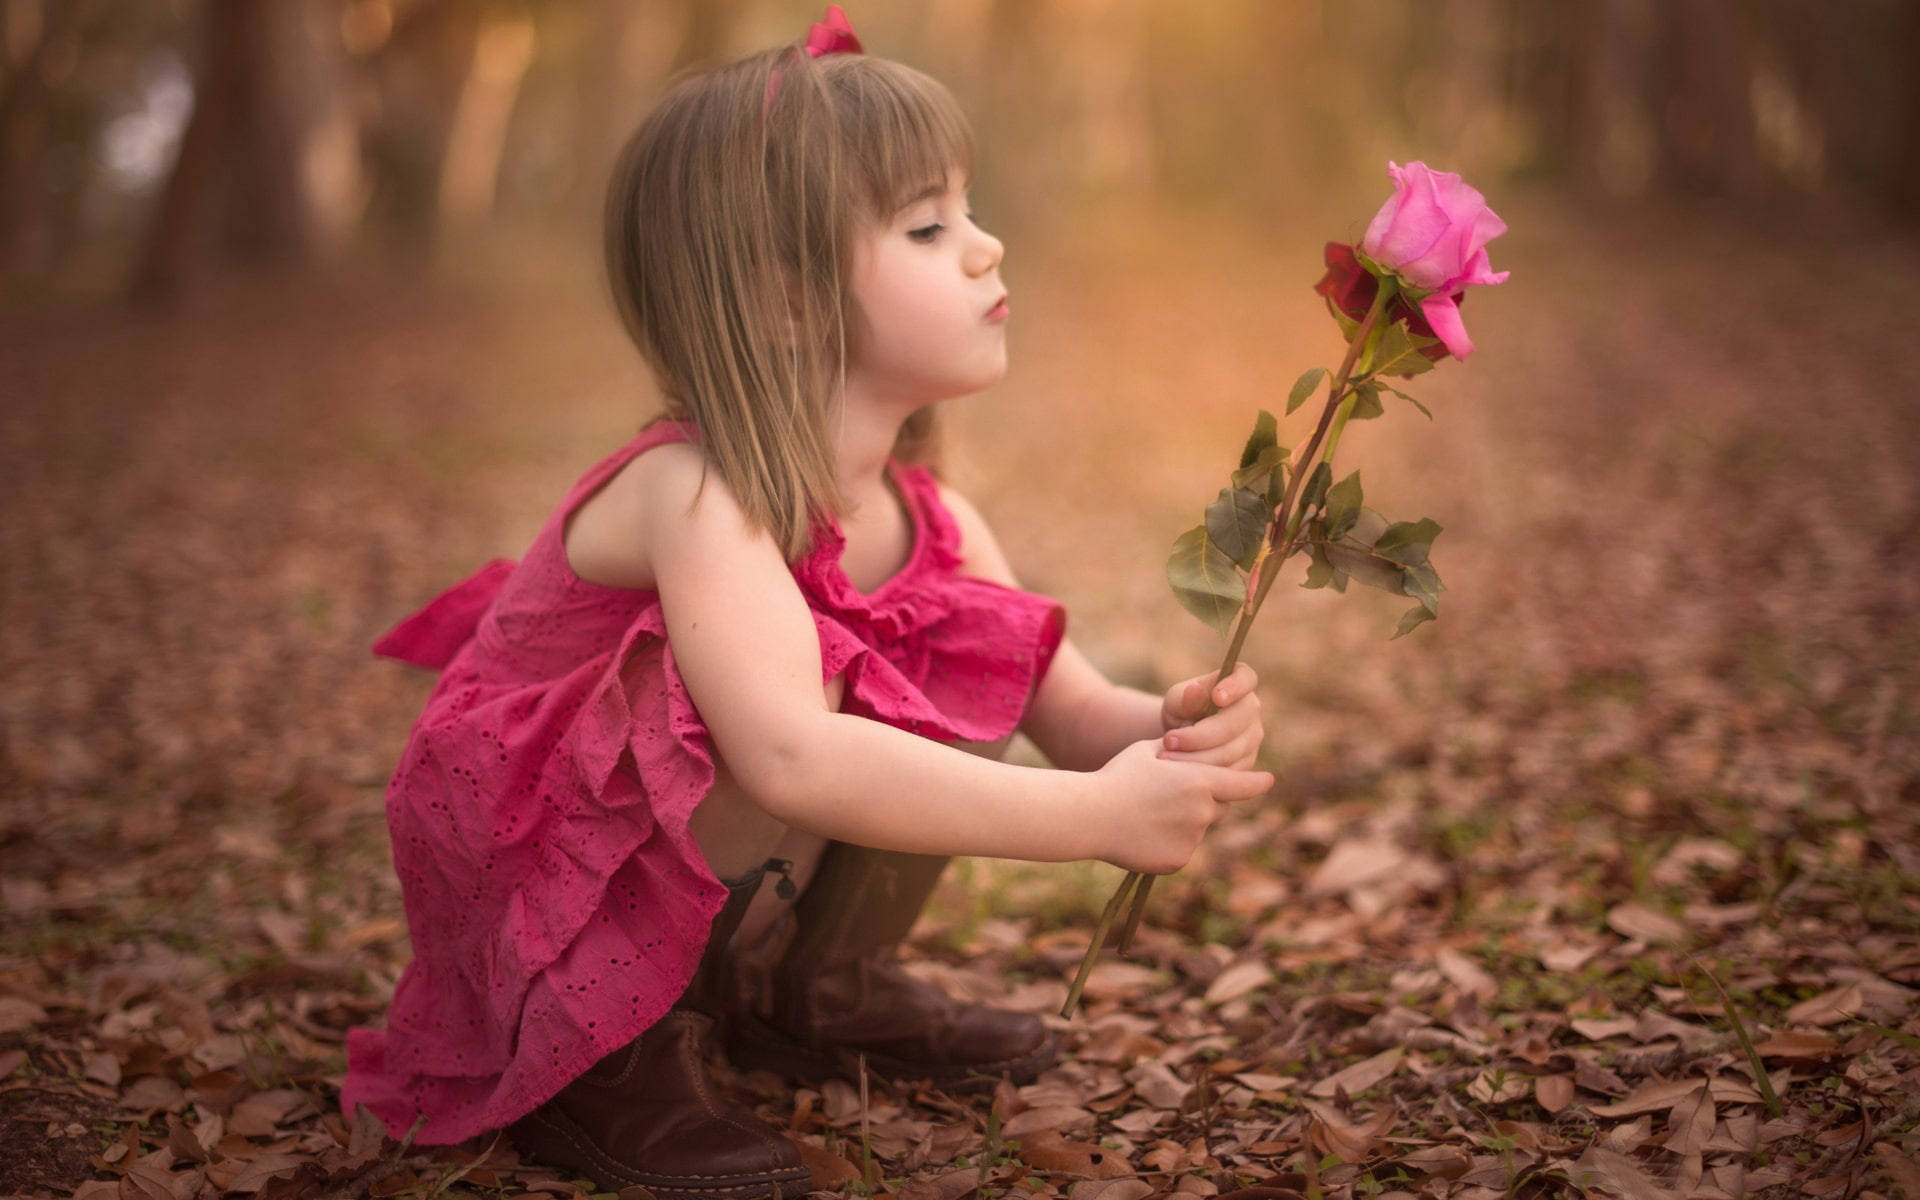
(647, 1114)
(834, 991)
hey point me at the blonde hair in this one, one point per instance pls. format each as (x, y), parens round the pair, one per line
(729, 227)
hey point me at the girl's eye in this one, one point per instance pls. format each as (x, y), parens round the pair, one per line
(926, 233)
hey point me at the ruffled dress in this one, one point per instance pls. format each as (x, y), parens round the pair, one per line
(556, 901)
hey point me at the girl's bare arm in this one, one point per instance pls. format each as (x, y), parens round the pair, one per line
(746, 645)
(1079, 718)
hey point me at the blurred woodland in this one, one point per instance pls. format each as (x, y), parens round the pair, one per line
(1606, 883)
(148, 144)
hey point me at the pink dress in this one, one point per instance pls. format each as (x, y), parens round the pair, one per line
(556, 901)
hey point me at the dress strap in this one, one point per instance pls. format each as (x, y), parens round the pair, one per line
(660, 430)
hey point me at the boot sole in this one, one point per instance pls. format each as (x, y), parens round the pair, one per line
(753, 1044)
(555, 1140)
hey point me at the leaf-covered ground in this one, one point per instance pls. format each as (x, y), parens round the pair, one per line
(1606, 883)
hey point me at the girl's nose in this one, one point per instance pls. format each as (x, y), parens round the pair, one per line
(985, 253)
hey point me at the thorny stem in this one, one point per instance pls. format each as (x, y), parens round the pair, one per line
(1283, 533)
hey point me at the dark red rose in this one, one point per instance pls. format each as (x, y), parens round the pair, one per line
(1350, 289)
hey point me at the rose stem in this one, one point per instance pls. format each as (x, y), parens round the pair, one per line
(1142, 884)
(1099, 935)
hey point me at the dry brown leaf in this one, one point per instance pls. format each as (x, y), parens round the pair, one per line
(1904, 1169)
(151, 1092)
(948, 1185)
(826, 1170)
(103, 1068)
(1830, 1007)
(1048, 1151)
(1645, 924)
(1617, 1174)
(1691, 1122)
(1799, 1044)
(1553, 1092)
(1663, 1094)
(1243, 977)
(1111, 1189)
(1465, 974)
(1158, 1085)
(1056, 1117)
(1332, 1132)
(1596, 1029)
(1361, 1075)
(17, 1014)
(1353, 863)
(246, 1175)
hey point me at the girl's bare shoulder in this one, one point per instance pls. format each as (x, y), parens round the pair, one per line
(612, 537)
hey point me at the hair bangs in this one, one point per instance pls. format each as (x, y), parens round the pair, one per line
(903, 130)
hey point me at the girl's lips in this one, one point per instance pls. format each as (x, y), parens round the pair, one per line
(999, 310)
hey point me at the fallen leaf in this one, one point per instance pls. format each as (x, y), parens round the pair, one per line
(1361, 1075)
(1618, 1174)
(17, 1014)
(948, 1185)
(1663, 1094)
(1829, 1008)
(1466, 974)
(1799, 1044)
(1691, 1122)
(826, 1170)
(1353, 863)
(1110, 1189)
(1057, 1117)
(1904, 1169)
(1553, 1092)
(1243, 977)
(1638, 921)
(1158, 1085)
(1048, 1151)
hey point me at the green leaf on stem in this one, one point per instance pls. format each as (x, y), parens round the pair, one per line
(1321, 571)
(1399, 353)
(1354, 556)
(1408, 542)
(1205, 581)
(1409, 399)
(1366, 402)
(1423, 584)
(1258, 473)
(1265, 435)
(1303, 386)
(1343, 505)
(1410, 620)
(1317, 484)
(1237, 524)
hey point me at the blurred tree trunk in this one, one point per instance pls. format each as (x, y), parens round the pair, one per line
(477, 133)
(25, 101)
(1702, 72)
(236, 188)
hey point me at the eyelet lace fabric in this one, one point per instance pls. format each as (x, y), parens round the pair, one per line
(556, 901)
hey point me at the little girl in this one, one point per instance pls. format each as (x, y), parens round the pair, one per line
(760, 638)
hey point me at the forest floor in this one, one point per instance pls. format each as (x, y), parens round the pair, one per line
(1606, 882)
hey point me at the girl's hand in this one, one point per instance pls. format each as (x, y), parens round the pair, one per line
(1228, 738)
(1154, 810)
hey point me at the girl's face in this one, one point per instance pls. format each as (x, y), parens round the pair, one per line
(930, 311)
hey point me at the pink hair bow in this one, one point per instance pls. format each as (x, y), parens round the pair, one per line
(834, 35)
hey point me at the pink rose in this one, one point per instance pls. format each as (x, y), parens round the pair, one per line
(1433, 235)
(1350, 288)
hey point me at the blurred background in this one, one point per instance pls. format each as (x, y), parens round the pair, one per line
(301, 320)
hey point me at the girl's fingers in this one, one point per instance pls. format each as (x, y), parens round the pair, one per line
(1216, 730)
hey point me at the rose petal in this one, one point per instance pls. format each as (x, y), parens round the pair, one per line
(1444, 316)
